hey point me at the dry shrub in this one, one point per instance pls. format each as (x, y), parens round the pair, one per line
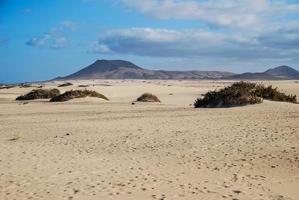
(83, 85)
(6, 86)
(65, 85)
(72, 94)
(24, 85)
(242, 93)
(15, 137)
(147, 97)
(39, 94)
(273, 94)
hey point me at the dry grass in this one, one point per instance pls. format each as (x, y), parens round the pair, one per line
(39, 94)
(15, 137)
(242, 93)
(273, 94)
(83, 85)
(65, 85)
(25, 85)
(6, 86)
(147, 97)
(72, 94)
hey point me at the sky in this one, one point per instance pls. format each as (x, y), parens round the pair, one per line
(40, 40)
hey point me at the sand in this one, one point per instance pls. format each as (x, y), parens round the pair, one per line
(94, 149)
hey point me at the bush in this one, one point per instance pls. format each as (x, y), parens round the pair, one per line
(77, 94)
(65, 85)
(24, 85)
(273, 94)
(39, 94)
(147, 97)
(83, 85)
(242, 93)
(6, 86)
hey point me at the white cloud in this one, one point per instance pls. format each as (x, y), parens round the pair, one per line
(59, 43)
(198, 44)
(55, 38)
(249, 31)
(95, 47)
(243, 14)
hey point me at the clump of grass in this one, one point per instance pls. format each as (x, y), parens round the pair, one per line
(83, 85)
(15, 137)
(147, 97)
(39, 94)
(72, 94)
(6, 86)
(24, 85)
(242, 93)
(65, 84)
(273, 94)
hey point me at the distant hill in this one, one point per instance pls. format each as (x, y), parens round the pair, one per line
(105, 69)
(278, 73)
(249, 76)
(284, 72)
(120, 69)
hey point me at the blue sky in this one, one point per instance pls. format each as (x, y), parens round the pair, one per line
(40, 40)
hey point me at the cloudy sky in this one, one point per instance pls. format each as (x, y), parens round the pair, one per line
(43, 39)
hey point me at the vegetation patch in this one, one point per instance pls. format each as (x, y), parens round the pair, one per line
(83, 85)
(65, 85)
(271, 93)
(147, 97)
(72, 94)
(15, 137)
(39, 94)
(6, 86)
(25, 85)
(242, 93)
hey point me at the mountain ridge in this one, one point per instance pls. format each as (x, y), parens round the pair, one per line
(121, 69)
(278, 73)
(283, 71)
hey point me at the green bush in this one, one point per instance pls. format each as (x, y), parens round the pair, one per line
(273, 94)
(147, 97)
(65, 85)
(72, 94)
(6, 86)
(39, 94)
(242, 93)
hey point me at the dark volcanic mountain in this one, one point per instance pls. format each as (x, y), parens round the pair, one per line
(102, 69)
(119, 69)
(284, 72)
(278, 73)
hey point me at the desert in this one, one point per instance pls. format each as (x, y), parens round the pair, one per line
(91, 148)
(149, 100)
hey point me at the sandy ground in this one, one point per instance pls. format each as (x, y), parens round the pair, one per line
(97, 150)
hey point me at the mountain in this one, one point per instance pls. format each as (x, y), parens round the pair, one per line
(108, 69)
(120, 69)
(278, 73)
(252, 76)
(284, 72)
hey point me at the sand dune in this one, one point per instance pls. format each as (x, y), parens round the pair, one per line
(94, 149)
